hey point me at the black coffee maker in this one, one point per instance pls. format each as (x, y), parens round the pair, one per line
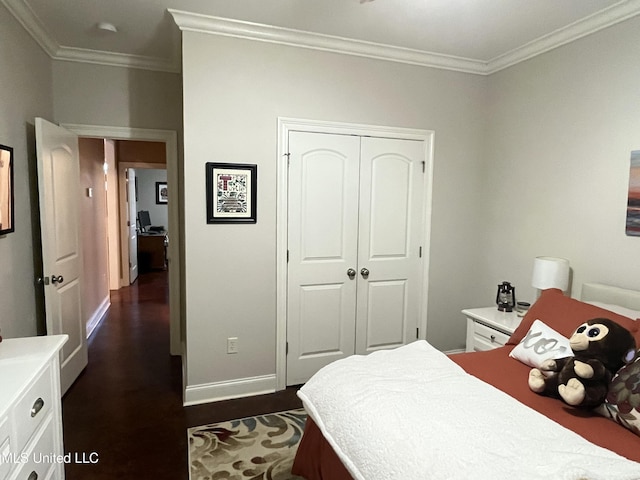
(506, 297)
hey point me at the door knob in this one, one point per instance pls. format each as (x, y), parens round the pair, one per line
(58, 279)
(364, 272)
(352, 273)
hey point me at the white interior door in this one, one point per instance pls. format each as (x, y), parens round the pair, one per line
(132, 225)
(389, 250)
(322, 243)
(59, 195)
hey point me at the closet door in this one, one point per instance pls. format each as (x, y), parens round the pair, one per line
(390, 229)
(322, 244)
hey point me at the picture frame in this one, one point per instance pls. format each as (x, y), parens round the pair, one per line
(6, 190)
(231, 192)
(633, 197)
(162, 193)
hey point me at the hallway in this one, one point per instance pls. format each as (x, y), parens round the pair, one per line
(124, 414)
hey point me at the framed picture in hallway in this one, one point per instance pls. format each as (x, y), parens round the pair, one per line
(162, 194)
(231, 192)
(6, 190)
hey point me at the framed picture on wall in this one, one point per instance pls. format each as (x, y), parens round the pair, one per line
(6, 190)
(633, 202)
(231, 192)
(162, 194)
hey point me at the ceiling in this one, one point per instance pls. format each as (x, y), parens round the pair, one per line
(486, 34)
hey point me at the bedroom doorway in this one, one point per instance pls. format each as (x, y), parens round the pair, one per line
(357, 215)
(170, 141)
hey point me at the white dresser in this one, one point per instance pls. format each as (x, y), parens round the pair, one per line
(30, 409)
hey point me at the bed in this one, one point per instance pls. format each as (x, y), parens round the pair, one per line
(415, 413)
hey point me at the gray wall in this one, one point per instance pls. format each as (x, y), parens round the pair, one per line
(26, 93)
(234, 90)
(562, 127)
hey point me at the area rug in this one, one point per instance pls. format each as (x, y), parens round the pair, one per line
(256, 448)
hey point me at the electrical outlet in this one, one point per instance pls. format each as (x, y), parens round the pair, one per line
(232, 345)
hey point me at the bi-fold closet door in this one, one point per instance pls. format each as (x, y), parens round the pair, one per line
(355, 223)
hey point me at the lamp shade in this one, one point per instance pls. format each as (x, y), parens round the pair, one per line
(550, 272)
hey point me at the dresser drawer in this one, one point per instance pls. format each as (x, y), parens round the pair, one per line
(32, 408)
(38, 462)
(5, 448)
(488, 337)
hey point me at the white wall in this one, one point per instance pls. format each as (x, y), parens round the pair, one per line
(147, 178)
(234, 90)
(562, 127)
(25, 77)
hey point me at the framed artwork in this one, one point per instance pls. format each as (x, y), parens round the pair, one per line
(6, 190)
(162, 194)
(231, 193)
(633, 202)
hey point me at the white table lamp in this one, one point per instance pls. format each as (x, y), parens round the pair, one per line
(550, 272)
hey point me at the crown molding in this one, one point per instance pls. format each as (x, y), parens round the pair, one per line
(616, 13)
(193, 22)
(34, 26)
(199, 23)
(98, 57)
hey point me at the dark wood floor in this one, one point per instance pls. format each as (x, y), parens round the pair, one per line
(125, 410)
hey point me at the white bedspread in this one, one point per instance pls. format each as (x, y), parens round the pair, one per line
(411, 413)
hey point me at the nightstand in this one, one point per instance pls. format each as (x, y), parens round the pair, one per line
(489, 328)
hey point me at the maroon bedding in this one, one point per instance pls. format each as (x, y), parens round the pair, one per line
(316, 460)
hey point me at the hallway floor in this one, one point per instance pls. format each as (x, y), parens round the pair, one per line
(125, 410)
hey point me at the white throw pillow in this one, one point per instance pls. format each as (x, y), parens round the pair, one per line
(539, 344)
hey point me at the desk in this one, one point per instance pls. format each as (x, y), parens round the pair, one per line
(152, 251)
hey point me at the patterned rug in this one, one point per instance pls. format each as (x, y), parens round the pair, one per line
(256, 448)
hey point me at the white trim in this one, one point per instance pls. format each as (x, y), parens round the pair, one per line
(192, 22)
(170, 139)
(23, 13)
(83, 55)
(96, 319)
(287, 125)
(225, 390)
(454, 352)
(605, 18)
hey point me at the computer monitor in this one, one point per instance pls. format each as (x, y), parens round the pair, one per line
(144, 220)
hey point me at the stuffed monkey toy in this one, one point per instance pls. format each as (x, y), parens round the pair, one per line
(600, 348)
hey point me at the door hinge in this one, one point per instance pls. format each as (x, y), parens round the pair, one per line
(420, 252)
(287, 349)
(417, 333)
(424, 166)
(287, 256)
(288, 155)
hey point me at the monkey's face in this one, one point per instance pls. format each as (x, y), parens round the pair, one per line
(587, 333)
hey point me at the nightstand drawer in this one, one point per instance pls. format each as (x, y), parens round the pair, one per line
(486, 336)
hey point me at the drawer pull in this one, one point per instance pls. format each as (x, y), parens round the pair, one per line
(493, 338)
(33, 476)
(37, 406)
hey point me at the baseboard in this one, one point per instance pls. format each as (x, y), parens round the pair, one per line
(241, 387)
(451, 352)
(98, 316)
